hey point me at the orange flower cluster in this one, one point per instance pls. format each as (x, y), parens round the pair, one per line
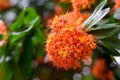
(68, 43)
(68, 47)
(68, 21)
(82, 4)
(4, 4)
(117, 4)
(3, 31)
(99, 70)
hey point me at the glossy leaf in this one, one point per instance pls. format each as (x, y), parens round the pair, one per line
(15, 36)
(27, 57)
(30, 15)
(26, 16)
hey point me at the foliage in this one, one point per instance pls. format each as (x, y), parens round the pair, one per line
(25, 44)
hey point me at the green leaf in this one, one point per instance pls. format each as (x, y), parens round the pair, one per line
(30, 15)
(27, 56)
(105, 26)
(39, 40)
(16, 55)
(26, 16)
(97, 15)
(108, 48)
(17, 25)
(39, 37)
(113, 41)
(1, 51)
(104, 33)
(17, 73)
(88, 77)
(40, 53)
(65, 5)
(31, 24)
(113, 59)
(6, 71)
(103, 21)
(110, 4)
(1, 36)
(111, 18)
(15, 36)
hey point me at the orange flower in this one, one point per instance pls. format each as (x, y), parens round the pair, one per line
(3, 31)
(4, 4)
(110, 75)
(117, 4)
(68, 43)
(99, 69)
(82, 4)
(58, 10)
(67, 48)
(67, 21)
(49, 22)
